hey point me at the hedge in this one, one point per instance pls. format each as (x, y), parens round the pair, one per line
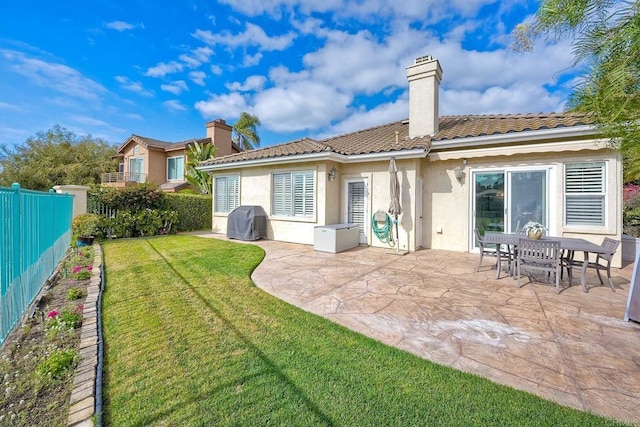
(194, 211)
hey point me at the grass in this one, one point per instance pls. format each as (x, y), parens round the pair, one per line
(191, 341)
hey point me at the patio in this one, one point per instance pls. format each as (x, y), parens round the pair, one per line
(573, 348)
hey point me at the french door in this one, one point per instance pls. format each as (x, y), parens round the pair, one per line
(357, 205)
(505, 200)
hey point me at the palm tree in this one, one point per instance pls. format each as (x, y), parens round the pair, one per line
(245, 131)
(199, 153)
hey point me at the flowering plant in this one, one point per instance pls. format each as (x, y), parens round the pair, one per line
(81, 273)
(533, 226)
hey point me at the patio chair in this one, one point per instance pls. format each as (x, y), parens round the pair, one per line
(611, 246)
(538, 255)
(505, 255)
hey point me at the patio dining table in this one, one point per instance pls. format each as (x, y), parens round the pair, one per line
(569, 244)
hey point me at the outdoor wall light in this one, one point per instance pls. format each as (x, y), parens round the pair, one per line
(459, 172)
(333, 174)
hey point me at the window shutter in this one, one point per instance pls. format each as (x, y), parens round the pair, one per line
(233, 191)
(282, 190)
(293, 194)
(356, 204)
(585, 194)
(303, 189)
(221, 198)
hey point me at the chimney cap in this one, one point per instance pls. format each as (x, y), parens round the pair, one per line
(421, 59)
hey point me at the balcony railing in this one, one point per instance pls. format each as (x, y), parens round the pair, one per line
(113, 177)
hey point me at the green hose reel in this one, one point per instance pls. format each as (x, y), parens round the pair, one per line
(382, 226)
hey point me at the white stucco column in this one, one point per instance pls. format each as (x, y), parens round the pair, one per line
(79, 193)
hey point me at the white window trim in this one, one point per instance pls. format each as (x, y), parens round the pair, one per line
(293, 218)
(239, 181)
(183, 168)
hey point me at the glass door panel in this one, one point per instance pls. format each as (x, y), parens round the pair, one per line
(489, 201)
(527, 198)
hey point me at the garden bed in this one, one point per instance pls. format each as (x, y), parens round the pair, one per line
(38, 358)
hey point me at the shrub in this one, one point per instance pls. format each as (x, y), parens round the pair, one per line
(133, 199)
(85, 225)
(148, 222)
(74, 294)
(63, 322)
(631, 210)
(194, 211)
(57, 363)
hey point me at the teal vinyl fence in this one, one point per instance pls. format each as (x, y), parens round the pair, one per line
(35, 233)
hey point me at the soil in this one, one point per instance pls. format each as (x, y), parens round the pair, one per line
(27, 396)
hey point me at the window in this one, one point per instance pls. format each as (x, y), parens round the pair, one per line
(293, 194)
(584, 186)
(175, 168)
(227, 193)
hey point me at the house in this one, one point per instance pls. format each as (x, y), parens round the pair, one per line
(164, 163)
(493, 172)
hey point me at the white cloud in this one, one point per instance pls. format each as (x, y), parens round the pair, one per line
(499, 100)
(252, 36)
(163, 68)
(303, 105)
(91, 121)
(425, 11)
(7, 106)
(251, 60)
(216, 69)
(133, 86)
(175, 87)
(174, 105)
(54, 76)
(119, 26)
(197, 56)
(228, 105)
(252, 83)
(362, 119)
(198, 77)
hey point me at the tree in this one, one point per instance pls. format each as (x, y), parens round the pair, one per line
(57, 157)
(199, 153)
(245, 131)
(606, 40)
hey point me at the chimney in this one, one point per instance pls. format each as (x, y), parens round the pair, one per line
(220, 133)
(424, 84)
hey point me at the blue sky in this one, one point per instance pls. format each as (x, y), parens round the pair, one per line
(306, 67)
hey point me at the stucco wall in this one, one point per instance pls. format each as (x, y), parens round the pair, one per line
(448, 202)
(255, 189)
(156, 167)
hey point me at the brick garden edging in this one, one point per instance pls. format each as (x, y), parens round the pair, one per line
(82, 403)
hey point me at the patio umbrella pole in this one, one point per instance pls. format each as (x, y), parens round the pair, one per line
(397, 235)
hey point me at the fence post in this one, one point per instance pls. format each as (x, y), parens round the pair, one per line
(16, 220)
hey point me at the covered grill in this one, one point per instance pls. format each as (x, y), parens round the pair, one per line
(247, 223)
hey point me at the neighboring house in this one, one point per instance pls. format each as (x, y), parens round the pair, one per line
(493, 172)
(164, 163)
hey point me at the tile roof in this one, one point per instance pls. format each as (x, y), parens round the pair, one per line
(382, 138)
(163, 145)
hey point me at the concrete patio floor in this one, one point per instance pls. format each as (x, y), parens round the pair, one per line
(573, 348)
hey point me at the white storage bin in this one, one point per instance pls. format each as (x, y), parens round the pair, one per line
(335, 238)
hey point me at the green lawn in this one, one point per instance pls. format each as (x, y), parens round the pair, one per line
(191, 341)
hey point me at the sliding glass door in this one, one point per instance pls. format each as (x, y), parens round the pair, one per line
(528, 198)
(505, 200)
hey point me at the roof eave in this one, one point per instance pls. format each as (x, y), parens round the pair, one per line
(415, 153)
(515, 137)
